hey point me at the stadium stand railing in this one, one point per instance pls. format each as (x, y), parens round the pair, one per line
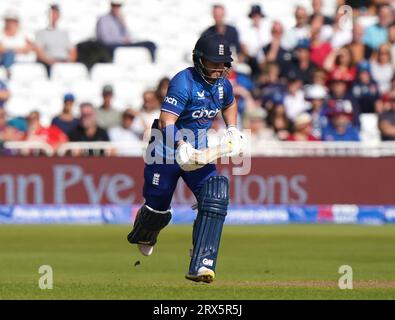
(264, 149)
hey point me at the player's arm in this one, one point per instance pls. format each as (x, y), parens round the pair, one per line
(232, 137)
(230, 114)
(167, 119)
(187, 157)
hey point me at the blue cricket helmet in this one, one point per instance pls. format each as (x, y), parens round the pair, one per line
(214, 48)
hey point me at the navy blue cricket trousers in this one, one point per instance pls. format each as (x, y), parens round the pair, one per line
(160, 181)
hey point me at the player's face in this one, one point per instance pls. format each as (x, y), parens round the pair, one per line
(213, 70)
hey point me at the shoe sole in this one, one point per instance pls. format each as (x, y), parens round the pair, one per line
(208, 277)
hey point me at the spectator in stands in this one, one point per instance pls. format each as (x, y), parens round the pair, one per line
(316, 95)
(149, 112)
(317, 10)
(255, 37)
(300, 31)
(365, 89)
(341, 32)
(277, 118)
(387, 120)
(391, 41)
(382, 69)
(125, 133)
(319, 49)
(360, 50)
(88, 129)
(229, 32)
(339, 91)
(377, 34)
(7, 132)
(301, 63)
(254, 120)
(340, 127)
(13, 42)
(107, 116)
(269, 84)
(294, 101)
(112, 31)
(303, 129)
(4, 94)
(51, 135)
(340, 64)
(161, 89)
(274, 52)
(319, 77)
(326, 30)
(52, 44)
(242, 90)
(19, 123)
(66, 120)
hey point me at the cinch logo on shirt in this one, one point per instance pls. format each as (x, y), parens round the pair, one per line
(203, 113)
(171, 101)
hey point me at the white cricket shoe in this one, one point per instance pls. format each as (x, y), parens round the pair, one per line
(203, 275)
(145, 249)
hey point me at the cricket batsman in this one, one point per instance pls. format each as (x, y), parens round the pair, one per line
(194, 98)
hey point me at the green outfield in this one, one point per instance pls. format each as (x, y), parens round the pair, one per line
(256, 262)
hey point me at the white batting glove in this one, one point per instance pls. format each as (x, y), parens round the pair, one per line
(235, 139)
(183, 157)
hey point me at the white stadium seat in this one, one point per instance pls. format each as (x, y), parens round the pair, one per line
(28, 72)
(369, 127)
(107, 73)
(147, 75)
(20, 106)
(130, 93)
(131, 57)
(85, 91)
(69, 72)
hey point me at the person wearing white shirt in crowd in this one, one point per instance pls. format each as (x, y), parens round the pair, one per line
(125, 133)
(14, 44)
(254, 37)
(340, 33)
(294, 101)
(382, 69)
(391, 41)
(150, 111)
(300, 31)
(53, 44)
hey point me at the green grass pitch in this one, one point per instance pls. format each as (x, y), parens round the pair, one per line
(255, 262)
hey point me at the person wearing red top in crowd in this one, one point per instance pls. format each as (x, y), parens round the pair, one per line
(36, 132)
(303, 129)
(319, 50)
(340, 64)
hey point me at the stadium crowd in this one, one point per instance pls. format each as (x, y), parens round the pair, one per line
(310, 82)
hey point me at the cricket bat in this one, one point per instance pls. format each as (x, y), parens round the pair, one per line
(208, 155)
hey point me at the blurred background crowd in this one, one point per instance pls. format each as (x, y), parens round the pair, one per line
(314, 70)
